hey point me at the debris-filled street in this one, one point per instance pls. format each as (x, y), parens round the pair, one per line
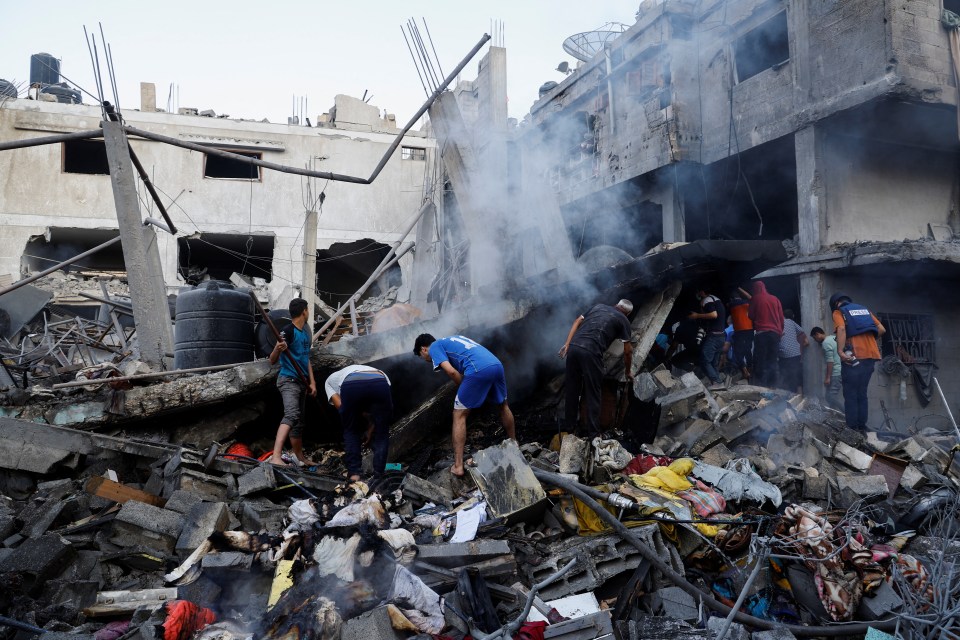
(669, 353)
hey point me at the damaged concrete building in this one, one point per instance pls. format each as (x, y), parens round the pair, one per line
(56, 200)
(830, 126)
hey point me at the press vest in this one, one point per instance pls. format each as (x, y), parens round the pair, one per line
(858, 319)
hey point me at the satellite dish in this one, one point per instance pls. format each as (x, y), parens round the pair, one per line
(584, 46)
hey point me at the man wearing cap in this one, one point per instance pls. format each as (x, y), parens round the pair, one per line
(857, 332)
(589, 338)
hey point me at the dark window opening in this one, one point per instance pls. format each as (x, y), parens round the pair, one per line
(40, 253)
(218, 167)
(345, 266)
(625, 226)
(952, 5)
(85, 156)
(413, 153)
(217, 256)
(750, 197)
(645, 78)
(909, 337)
(763, 47)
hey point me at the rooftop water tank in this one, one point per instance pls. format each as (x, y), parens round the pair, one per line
(7, 89)
(63, 93)
(214, 325)
(44, 68)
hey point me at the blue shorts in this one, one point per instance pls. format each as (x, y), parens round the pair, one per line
(486, 385)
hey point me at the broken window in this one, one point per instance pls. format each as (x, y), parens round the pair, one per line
(909, 337)
(62, 243)
(85, 156)
(761, 48)
(217, 256)
(345, 266)
(645, 78)
(413, 153)
(218, 167)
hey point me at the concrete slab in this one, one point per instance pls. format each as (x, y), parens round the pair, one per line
(139, 524)
(200, 523)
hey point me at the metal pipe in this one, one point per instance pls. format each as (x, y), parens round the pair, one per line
(326, 175)
(943, 398)
(23, 626)
(146, 376)
(58, 266)
(512, 627)
(159, 224)
(171, 228)
(63, 137)
(743, 596)
(839, 629)
(436, 94)
(376, 273)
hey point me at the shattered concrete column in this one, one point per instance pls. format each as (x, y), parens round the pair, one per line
(814, 312)
(674, 226)
(141, 255)
(811, 199)
(310, 263)
(426, 263)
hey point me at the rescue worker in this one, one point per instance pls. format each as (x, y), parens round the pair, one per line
(857, 332)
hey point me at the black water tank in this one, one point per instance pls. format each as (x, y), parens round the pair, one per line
(7, 89)
(214, 325)
(265, 339)
(44, 68)
(64, 94)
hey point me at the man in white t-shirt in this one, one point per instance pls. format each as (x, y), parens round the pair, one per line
(361, 395)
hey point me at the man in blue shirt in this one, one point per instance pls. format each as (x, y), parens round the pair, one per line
(294, 344)
(480, 377)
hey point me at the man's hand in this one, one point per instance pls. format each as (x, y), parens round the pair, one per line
(563, 351)
(281, 345)
(693, 315)
(312, 389)
(826, 382)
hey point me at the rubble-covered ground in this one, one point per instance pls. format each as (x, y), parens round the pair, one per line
(746, 498)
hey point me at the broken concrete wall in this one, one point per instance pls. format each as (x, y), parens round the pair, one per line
(920, 49)
(882, 190)
(39, 193)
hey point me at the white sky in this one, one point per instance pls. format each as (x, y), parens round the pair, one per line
(248, 59)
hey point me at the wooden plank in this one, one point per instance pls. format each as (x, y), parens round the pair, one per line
(121, 493)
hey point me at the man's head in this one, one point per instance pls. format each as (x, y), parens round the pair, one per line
(421, 348)
(818, 334)
(788, 313)
(837, 300)
(297, 307)
(625, 306)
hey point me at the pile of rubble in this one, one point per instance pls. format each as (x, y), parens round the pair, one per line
(748, 500)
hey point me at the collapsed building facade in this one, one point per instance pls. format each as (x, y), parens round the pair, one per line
(233, 218)
(830, 126)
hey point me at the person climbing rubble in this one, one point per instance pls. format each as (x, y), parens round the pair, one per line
(479, 375)
(713, 318)
(589, 338)
(361, 395)
(295, 343)
(857, 332)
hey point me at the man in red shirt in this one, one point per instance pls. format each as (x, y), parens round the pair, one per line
(766, 313)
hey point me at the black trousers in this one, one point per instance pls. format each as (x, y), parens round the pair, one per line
(743, 348)
(584, 375)
(766, 347)
(855, 381)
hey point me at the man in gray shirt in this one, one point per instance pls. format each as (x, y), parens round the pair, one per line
(831, 375)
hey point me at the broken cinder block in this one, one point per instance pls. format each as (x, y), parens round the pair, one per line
(864, 486)
(201, 521)
(139, 524)
(260, 478)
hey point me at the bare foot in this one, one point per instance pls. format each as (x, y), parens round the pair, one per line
(278, 461)
(457, 472)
